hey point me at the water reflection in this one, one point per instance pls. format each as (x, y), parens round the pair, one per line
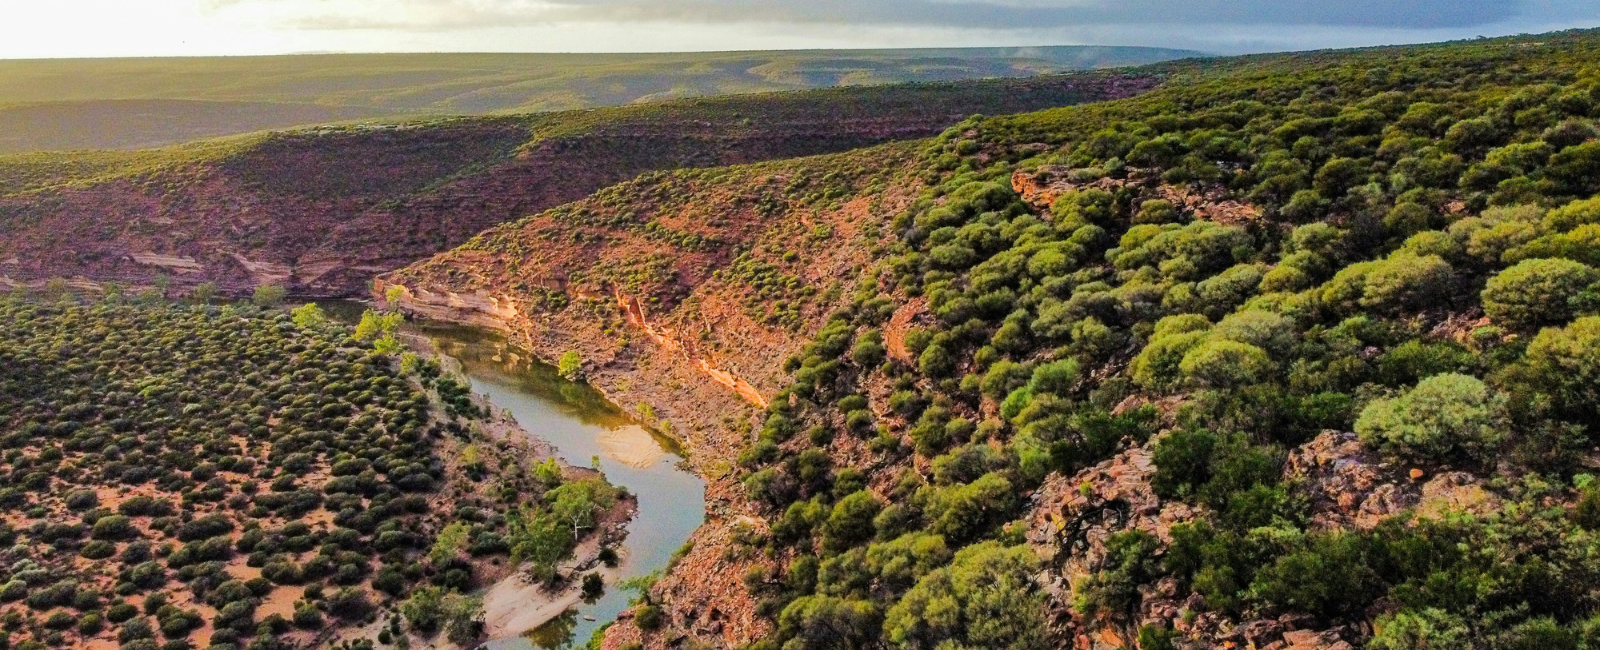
(560, 632)
(582, 425)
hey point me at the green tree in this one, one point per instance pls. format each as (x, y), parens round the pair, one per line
(309, 316)
(1406, 281)
(450, 542)
(850, 523)
(1056, 377)
(1573, 215)
(986, 598)
(1444, 416)
(935, 361)
(1156, 211)
(1158, 365)
(1536, 292)
(570, 365)
(1426, 629)
(268, 295)
(1220, 363)
(425, 611)
(203, 292)
(376, 325)
(1565, 362)
(827, 622)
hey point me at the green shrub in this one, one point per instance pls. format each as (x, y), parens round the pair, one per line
(1573, 215)
(1269, 331)
(1055, 378)
(1443, 417)
(948, 604)
(1406, 282)
(1333, 576)
(1156, 211)
(268, 295)
(1157, 366)
(647, 617)
(1221, 363)
(850, 523)
(1426, 629)
(1566, 363)
(1536, 292)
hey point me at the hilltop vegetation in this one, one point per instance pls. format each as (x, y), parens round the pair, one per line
(320, 211)
(1295, 349)
(59, 104)
(192, 476)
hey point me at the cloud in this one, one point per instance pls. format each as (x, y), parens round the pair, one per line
(977, 14)
(1019, 14)
(1232, 25)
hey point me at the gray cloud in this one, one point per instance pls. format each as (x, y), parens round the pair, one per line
(1415, 14)
(1231, 24)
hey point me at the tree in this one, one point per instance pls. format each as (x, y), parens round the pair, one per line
(869, 351)
(986, 598)
(1405, 281)
(1565, 362)
(268, 295)
(309, 316)
(1156, 211)
(203, 292)
(935, 361)
(1444, 416)
(388, 345)
(963, 512)
(432, 608)
(1576, 169)
(593, 586)
(1056, 378)
(1267, 330)
(375, 325)
(1114, 589)
(349, 603)
(576, 504)
(1536, 292)
(449, 543)
(1331, 576)
(1157, 366)
(827, 622)
(570, 365)
(850, 523)
(1573, 215)
(1220, 363)
(1426, 629)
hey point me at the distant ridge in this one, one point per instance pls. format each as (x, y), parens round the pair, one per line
(134, 103)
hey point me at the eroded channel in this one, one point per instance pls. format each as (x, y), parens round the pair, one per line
(585, 429)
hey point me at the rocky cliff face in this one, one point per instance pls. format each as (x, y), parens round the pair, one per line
(688, 336)
(322, 211)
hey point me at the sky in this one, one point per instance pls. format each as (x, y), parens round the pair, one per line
(98, 28)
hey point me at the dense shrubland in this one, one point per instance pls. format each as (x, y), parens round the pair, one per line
(1418, 265)
(171, 470)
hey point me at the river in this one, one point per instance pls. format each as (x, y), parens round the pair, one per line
(582, 426)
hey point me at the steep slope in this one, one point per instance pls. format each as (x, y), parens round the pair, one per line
(1295, 351)
(323, 210)
(682, 292)
(58, 104)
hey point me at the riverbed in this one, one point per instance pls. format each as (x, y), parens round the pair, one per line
(586, 430)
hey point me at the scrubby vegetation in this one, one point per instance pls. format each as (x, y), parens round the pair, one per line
(145, 102)
(372, 197)
(192, 476)
(1398, 242)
